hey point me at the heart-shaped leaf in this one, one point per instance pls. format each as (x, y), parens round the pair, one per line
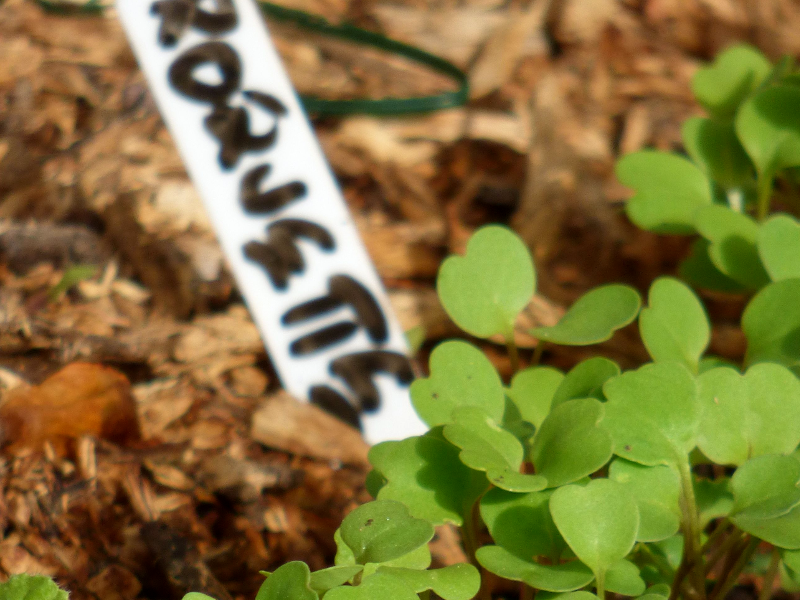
(522, 524)
(766, 492)
(723, 85)
(427, 475)
(377, 585)
(485, 446)
(586, 380)
(768, 125)
(456, 582)
(623, 578)
(750, 415)
(461, 375)
(564, 577)
(31, 587)
(674, 326)
(571, 442)
(383, 530)
(716, 149)
(656, 491)
(579, 595)
(594, 317)
(532, 391)
(326, 579)
(700, 271)
(599, 521)
(779, 247)
(669, 190)
(653, 413)
(291, 580)
(771, 323)
(484, 290)
(733, 244)
(714, 499)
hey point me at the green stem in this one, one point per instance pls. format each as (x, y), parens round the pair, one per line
(658, 562)
(733, 540)
(601, 586)
(526, 593)
(769, 577)
(537, 353)
(691, 531)
(469, 537)
(764, 196)
(513, 352)
(726, 584)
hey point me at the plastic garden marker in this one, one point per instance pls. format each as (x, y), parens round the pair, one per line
(461, 375)
(669, 190)
(279, 215)
(771, 323)
(674, 325)
(594, 317)
(723, 85)
(598, 521)
(484, 290)
(779, 247)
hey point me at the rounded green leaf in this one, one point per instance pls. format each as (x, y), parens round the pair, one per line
(594, 317)
(325, 579)
(653, 413)
(383, 530)
(699, 271)
(292, 580)
(779, 247)
(522, 524)
(656, 491)
(456, 582)
(716, 149)
(623, 578)
(571, 442)
(768, 125)
(714, 499)
(766, 492)
(599, 521)
(748, 415)
(579, 595)
(484, 290)
(31, 587)
(564, 577)
(586, 380)
(485, 446)
(733, 244)
(771, 324)
(669, 190)
(723, 85)
(375, 586)
(427, 475)
(532, 391)
(674, 325)
(461, 375)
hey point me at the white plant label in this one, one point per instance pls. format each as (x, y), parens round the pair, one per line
(279, 215)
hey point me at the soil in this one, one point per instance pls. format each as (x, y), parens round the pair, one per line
(195, 487)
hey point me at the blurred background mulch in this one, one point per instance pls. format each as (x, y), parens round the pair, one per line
(193, 470)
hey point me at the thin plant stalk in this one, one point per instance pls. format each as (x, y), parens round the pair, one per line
(764, 196)
(769, 576)
(513, 351)
(691, 530)
(537, 353)
(726, 584)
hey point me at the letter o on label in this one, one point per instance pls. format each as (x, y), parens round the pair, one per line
(181, 72)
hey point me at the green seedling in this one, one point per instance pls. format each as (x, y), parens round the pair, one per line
(31, 587)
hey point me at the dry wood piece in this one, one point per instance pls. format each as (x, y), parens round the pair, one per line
(81, 399)
(286, 424)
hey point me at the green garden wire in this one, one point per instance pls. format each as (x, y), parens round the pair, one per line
(345, 31)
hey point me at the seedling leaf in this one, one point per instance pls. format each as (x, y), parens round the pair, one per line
(716, 149)
(383, 530)
(674, 325)
(564, 577)
(461, 375)
(771, 324)
(484, 290)
(326, 579)
(779, 247)
(456, 582)
(698, 270)
(653, 413)
(723, 85)
(623, 578)
(656, 491)
(291, 580)
(598, 521)
(426, 474)
(669, 190)
(377, 585)
(586, 380)
(485, 446)
(733, 244)
(571, 442)
(594, 317)
(532, 391)
(31, 587)
(714, 499)
(766, 492)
